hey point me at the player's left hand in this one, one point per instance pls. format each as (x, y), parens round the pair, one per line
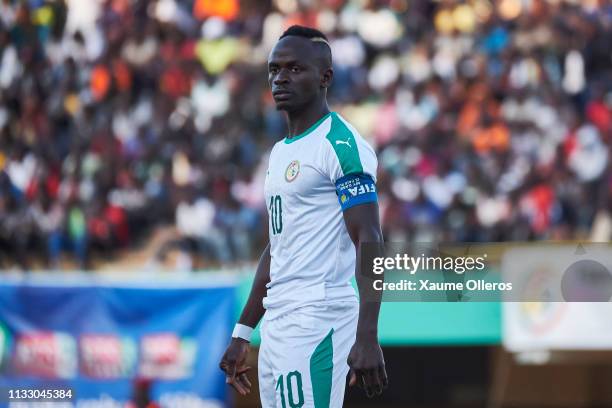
(367, 367)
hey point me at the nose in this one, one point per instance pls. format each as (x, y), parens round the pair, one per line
(281, 77)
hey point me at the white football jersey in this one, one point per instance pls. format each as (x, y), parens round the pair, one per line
(311, 179)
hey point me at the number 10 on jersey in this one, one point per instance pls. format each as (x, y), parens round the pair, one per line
(276, 214)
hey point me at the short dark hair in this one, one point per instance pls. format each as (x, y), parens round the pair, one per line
(314, 35)
(302, 31)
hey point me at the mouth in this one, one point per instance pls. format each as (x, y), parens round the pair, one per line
(281, 94)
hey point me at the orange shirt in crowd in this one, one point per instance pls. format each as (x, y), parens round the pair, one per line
(495, 137)
(100, 82)
(226, 9)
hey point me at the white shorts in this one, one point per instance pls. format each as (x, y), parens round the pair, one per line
(302, 357)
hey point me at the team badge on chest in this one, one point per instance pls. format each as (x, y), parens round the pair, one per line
(292, 171)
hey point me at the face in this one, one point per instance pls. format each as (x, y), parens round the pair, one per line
(295, 74)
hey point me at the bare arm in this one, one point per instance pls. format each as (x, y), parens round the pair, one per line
(253, 310)
(363, 227)
(233, 362)
(366, 359)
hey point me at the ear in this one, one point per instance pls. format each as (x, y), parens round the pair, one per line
(327, 77)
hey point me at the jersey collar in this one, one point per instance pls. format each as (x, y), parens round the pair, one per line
(308, 131)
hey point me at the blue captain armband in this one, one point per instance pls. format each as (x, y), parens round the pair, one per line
(355, 189)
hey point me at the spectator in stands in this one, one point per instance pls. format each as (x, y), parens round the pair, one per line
(197, 233)
(48, 217)
(491, 120)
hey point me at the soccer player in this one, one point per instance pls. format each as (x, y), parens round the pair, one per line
(321, 198)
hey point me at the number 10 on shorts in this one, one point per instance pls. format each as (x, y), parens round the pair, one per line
(293, 384)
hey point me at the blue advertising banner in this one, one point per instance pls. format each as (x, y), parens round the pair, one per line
(108, 341)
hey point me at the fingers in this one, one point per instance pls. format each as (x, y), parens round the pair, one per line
(362, 381)
(228, 367)
(242, 370)
(383, 376)
(359, 379)
(375, 381)
(242, 384)
(238, 385)
(367, 370)
(245, 380)
(240, 381)
(352, 378)
(232, 380)
(356, 378)
(369, 383)
(236, 377)
(225, 365)
(378, 382)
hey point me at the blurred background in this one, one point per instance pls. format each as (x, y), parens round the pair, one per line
(134, 138)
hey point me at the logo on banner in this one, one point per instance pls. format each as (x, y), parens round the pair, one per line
(114, 339)
(167, 356)
(46, 354)
(107, 356)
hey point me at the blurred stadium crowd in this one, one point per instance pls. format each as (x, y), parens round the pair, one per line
(492, 120)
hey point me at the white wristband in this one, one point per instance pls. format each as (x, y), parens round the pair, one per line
(242, 332)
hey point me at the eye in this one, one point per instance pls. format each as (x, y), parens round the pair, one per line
(273, 70)
(295, 69)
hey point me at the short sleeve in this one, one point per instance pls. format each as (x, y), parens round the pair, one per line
(350, 163)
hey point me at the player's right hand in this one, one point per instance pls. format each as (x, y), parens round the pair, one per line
(234, 365)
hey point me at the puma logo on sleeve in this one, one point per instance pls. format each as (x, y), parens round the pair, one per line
(343, 142)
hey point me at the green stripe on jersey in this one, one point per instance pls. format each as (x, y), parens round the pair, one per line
(345, 146)
(321, 371)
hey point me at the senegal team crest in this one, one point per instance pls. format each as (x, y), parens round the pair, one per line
(292, 171)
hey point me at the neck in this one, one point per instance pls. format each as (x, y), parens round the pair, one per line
(299, 121)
